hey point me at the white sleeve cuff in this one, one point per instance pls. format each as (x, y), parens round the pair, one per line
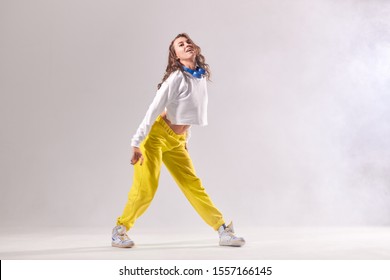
(188, 134)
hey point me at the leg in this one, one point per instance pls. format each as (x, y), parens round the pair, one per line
(179, 164)
(145, 181)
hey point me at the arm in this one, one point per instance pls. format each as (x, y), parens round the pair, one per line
(188, 137)
(166, 93)
(155, 108)
(158, 105)
(163, 96)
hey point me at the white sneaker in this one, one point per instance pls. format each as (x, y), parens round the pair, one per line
(228, 238)
(120, 238)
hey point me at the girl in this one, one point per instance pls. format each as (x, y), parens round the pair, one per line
(180, 101)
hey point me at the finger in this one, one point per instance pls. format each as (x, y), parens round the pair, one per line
(136, 157)
(134, 160)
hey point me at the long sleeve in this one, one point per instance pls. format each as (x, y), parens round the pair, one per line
(164, 95)
(188, 134)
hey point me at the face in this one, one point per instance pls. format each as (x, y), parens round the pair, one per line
(184, 49)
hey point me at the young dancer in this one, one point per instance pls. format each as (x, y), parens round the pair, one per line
(180, 101)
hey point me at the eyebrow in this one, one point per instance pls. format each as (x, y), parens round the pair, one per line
(186, 40)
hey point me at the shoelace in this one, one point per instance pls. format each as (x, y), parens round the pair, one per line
(122, 237)
(230, 232)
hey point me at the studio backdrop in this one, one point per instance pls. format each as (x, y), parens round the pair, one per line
(298, 113)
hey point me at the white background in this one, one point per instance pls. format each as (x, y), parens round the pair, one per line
(280, 269)
(298, 110)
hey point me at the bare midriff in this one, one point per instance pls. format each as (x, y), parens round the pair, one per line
(177, 128)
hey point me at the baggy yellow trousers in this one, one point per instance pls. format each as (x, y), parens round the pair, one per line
(163, 145)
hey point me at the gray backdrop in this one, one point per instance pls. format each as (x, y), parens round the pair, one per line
(298, 115)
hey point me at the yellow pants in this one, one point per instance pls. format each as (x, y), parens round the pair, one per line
(163, 145)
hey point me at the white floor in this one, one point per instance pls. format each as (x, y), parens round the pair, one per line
(296, 243)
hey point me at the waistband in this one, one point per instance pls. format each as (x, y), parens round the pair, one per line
(169, 130)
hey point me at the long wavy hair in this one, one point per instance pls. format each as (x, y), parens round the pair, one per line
(174, 62)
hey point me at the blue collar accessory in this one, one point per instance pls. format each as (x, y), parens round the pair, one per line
(197, 73)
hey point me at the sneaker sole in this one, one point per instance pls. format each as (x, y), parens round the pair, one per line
(122, 246)
(233, 245)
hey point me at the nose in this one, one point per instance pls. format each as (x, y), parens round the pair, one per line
(186, 46)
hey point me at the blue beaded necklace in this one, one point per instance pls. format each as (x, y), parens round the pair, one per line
(197, 73)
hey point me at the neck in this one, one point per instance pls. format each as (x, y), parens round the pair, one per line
(189, 64)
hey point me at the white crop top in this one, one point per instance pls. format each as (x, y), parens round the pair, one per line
(183, 97)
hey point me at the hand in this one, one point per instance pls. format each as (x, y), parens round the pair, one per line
(137, 155)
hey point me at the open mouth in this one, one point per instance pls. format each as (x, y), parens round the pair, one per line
(189, 50)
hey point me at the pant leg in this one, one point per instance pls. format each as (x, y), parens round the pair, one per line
(179, 164)
(145, 178)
